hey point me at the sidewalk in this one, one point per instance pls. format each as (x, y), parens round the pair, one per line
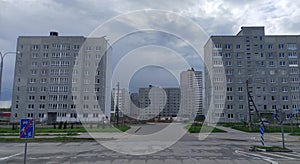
(229, 130)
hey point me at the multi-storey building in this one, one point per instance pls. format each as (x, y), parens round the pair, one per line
(158, 102)
(121, 99)
(61, 78)
(270, 64)
(191, 93)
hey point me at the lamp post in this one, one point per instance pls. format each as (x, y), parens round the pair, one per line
(1, 67)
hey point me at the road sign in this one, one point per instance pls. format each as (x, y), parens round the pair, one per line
(261, 130)
(273, 115)
(291, 115)
(27, 128)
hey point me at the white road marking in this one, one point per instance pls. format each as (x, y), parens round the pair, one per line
(290, 154)
(276, 155)
(268, 159)
(4, 158)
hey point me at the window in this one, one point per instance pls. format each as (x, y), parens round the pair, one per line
(230, 116)
(240, 89)
(238, 55)
(228, 55)
(229, 89)
(30, 115)
(284, 80)
(241, 98)
(229, 98)
(238, 46)
(292, 54)
(270, 46)
(281, 54)
(282, 63)
(46, 47)
(217, 46)
(262, 55)
(241, 107)
(31, 98)
(271, 63)
(85, 115)
(292, 46)
(293, 63)
(285, 106)
(228, 63)
(30, 106)
(280, 46)
(284, 89)
(270, 54)
(262, 63)
(273, 89)
(34, 47)
(229, 106)
(227, 46)
(285, 98)
(43, 98)
(34, 55)
(261, 46)
(43, 80)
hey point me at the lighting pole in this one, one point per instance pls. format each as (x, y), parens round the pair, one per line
(1, 66)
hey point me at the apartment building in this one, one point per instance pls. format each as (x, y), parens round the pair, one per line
(270, 64)
(61, 78)
(191, 87)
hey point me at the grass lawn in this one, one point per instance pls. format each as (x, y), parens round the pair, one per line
(68, 130)
(55, 139)
(268, 129)
(196, 128)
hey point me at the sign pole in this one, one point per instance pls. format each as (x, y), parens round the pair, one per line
(25, 151)
(26, 131)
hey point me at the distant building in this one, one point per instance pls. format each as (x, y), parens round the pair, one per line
(61, 78)
(269, 62)
(123, 98)
(158, 102)
(191, 87)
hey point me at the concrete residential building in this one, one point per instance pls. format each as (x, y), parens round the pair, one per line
(269, 62)
(191, 87)
(123, 98)
(155, 101)
(61, 78)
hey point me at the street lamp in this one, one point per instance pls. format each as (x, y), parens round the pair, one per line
(1, 66)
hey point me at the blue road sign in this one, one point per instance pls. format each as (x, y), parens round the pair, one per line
(273, 115)
(291, 115)
(261, 130)
(27, 128)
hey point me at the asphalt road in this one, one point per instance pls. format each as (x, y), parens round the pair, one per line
(216, 148)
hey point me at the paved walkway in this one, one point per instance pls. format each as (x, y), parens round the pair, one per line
(230, 130)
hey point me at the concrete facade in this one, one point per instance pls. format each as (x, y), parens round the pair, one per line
(61, 78)
(269, 62)
(191, 87)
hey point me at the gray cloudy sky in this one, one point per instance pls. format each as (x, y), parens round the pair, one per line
(81, 17)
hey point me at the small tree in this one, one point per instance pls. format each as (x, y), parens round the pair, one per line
(65, 125)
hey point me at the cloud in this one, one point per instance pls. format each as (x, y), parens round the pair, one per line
(80, 17)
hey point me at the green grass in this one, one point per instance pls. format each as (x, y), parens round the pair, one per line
(295, 134)
(196, 128)
(55, 139)
(273, 148)
(69, 130)
(268, 129)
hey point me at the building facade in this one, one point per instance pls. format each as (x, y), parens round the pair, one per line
(191, 87)
(270, 64)
(61, 78)
(158, 102)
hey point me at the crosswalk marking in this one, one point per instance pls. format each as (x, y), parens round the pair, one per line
(276, 155)
(290, 154)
